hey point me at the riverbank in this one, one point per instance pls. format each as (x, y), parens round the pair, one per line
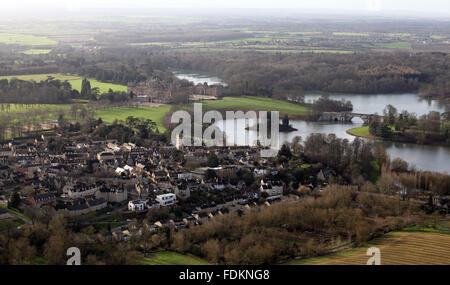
(363, 132)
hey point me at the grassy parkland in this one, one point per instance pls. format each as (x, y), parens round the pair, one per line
(255, 103)
(74, 80)
(156, 114)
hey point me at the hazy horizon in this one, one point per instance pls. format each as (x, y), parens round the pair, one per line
(402, 8)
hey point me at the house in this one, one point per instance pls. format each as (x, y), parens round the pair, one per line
(77, 209)
(182, 190)
(83, 206)
(97, 204)
(137, 205)
(184, 175)
(166, 199)
(112, 194)
(80, 190)
(273, 189)
(105, 155)
(324, 174)
(261, 171)
(42, 199)
(4, 170)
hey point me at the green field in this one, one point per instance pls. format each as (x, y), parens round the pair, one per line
(397, 248)
(351, 34)
(29, 40)
(393, 45)
(74, 80)
(360, 132)
(437, 37)
(20, 108)
(400, 35)
(260, 48)
(37, 51)
(255, 103)
(173, 258)
(156, 114)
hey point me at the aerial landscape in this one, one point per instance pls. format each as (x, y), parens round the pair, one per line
(218, 134)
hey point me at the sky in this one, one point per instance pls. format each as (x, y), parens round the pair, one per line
(425, 7)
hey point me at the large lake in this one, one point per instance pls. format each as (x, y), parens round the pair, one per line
(371, 104)
(425, 157)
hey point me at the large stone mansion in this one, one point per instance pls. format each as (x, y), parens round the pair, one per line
(159, 91)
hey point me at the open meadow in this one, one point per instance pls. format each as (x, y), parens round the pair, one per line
(257, 104)
(156, 114)
(74, 80)
(24, 39)
(397, 248)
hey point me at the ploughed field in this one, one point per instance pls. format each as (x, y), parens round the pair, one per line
(397, 248)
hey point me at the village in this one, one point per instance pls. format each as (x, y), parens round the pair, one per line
(108, 184)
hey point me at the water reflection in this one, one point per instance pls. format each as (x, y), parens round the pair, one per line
(425, 157)
(371, 104)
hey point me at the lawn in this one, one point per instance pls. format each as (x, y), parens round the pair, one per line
(156, 114)
(255, 103)
(397, 248)
(74, 80)
(22, 39)
(173, 258)
(360, 132)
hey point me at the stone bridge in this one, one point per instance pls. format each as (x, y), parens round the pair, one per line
(345, 117)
